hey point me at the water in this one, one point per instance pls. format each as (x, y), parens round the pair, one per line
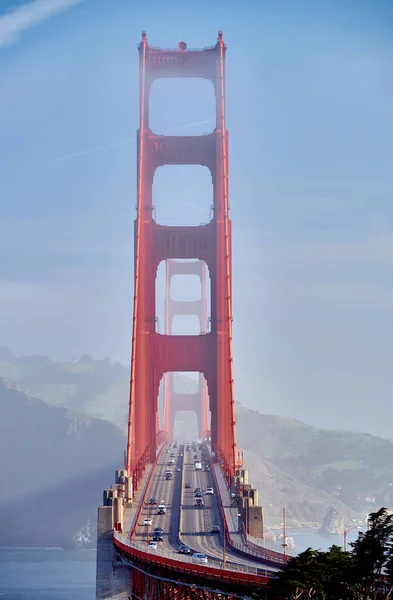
(47, 574)
(308, 538)
(56, 574)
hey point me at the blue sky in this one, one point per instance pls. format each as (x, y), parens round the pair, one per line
(309, 113)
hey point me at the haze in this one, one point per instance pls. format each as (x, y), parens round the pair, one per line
(309, 113)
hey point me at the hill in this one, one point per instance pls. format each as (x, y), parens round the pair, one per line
(351, 466)
(54, 466)
(284, 455)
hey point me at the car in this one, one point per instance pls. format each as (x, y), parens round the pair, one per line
(172, 455)
(215, 529)
(167, 451)
(184, 550)
(147, 521)
(198, 494)
(199, 558)
(161, 509)
(187, 486)
(178, 470)
(181, 454)
(195, 456)
(153, 545)
(152, 501)
(157, 537)
(209, 491)
(157, 530)
(207, 468)
(197, 489)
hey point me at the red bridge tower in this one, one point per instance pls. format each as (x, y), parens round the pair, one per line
(210, 353)
(175, 401)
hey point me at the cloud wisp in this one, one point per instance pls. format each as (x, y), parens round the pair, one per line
(123, 143)
(25, 16)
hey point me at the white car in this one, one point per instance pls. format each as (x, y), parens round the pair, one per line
(199, 558)
(147, 522)
(153, 545)
(209, 491)
(178, 469)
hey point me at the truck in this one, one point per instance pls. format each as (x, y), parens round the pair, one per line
(198, 466)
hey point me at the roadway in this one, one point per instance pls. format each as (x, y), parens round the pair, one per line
(168, 493)
(196, 523)
(185, 523)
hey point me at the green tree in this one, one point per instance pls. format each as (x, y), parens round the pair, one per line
(312, 574)
(364, 573)
(372, 555)
(337, 569)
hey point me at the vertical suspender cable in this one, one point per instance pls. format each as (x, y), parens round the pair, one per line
(137, 251)
(167, 332)
(227, 254)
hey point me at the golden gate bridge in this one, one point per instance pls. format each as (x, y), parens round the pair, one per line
(182, 521)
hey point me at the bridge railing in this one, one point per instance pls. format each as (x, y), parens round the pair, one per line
(157, 555)
(142, 496)
(271, 557)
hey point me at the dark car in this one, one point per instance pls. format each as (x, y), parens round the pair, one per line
(187, 486)
(157, 538)
(197, 489)
(207, 468)
(215, 529)
(157, 530)
(152, 501)
(185, 550)
(198, 494)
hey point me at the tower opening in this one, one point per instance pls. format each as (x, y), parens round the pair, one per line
(182, 195)
(184, 106)
(183, 297)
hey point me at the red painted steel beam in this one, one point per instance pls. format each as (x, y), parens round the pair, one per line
(174, 402)
(154, 354)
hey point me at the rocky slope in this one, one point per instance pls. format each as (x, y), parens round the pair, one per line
(54, 464)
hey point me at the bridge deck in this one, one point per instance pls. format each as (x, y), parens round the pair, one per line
(184, 523)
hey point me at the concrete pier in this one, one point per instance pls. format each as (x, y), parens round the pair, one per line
(113, 579)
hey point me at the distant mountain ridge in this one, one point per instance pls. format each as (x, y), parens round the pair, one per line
(306, 469)
(54, 464)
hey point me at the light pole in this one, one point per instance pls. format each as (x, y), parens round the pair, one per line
(346, 531)
(284, 532)
(246, 506)
(224, 556)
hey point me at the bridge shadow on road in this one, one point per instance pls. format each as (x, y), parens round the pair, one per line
(191, 506)
(196, 533)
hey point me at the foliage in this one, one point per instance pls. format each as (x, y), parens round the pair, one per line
(364, 573)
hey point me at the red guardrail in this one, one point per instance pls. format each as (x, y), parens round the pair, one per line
(189, 569)
(142, 498)
(270, 557)
(279, 556)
